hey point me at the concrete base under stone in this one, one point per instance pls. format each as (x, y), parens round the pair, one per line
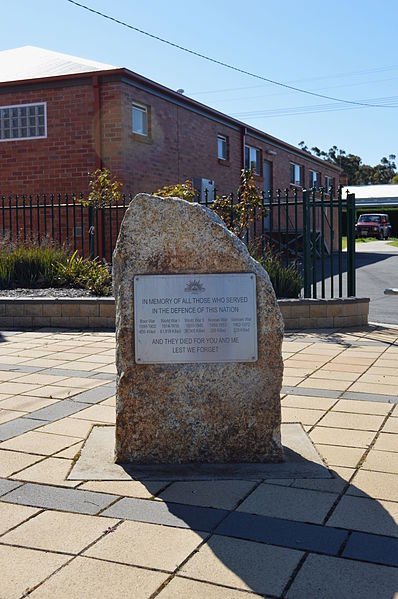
(96, 462)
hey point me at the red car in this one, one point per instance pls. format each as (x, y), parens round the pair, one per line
(373, 225)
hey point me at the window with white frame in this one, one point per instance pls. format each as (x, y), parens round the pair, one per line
(328, 183)
(313, 179)
(253, 159)
(296, 174)
(222, 147)
(23, 121)
(140, 119)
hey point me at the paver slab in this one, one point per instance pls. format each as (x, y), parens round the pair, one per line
(17, 427)
(336, 455)
(39, 443)
(284, 533)
(330, 577)
(8, 485)
(29, 568)
(243, 564)
(70, 500)
(181, 588)
(11, 515)
(13, 461)
(92, 579)
(169, 514)
(147, 545)
(341, 436)
(381, 461)
(222, 494)
(372, 548)
(289, 503)
(59, 531)
(379, 485)
(50, 471)
(366, 514)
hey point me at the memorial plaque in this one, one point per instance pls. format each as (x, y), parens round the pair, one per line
(195, 318)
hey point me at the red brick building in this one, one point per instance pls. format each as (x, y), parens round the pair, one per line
(62, 116)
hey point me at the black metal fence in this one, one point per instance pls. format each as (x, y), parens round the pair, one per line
(302, 227)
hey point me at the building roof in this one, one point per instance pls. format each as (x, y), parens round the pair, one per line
(373, 195)
(30, 62)
(24, 65)
(372, 191)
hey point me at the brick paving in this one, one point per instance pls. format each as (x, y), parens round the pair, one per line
(278, 538)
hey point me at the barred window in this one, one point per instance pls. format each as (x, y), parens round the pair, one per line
(24, 121)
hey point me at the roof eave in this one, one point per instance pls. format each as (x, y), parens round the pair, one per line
(249, 130)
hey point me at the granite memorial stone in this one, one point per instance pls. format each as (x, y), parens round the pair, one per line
(199, 336)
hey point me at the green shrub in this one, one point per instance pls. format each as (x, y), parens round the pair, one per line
(286, 280)
(32, 266)
(29, 265)
(85, 274)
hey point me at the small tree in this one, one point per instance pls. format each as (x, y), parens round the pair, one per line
(238, 215)
(105, 189)
(249, 206)
(185, 191)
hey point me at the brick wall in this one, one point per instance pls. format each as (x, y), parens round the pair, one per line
(60, 162)
(183, 145)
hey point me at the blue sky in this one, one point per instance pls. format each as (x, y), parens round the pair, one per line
(345, 49)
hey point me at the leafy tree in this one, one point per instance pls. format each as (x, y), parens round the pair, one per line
(105, 189)
(237, 215)
(352, 166)
(185, 191)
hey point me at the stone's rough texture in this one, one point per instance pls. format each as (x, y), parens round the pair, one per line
(176, 413)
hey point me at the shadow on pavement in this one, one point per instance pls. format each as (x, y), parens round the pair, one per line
(274, 531)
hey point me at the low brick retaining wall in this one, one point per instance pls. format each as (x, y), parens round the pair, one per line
(99, 312)
(324, 313)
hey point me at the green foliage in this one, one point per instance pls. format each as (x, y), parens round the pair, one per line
(105, 189)
(286, 280)
(185, 191)
(29, 265)
(85, 274)
(246, 209)
(357, 172)
(33, 266)
(394, 180)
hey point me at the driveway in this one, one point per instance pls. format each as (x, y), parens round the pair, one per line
(377, 268)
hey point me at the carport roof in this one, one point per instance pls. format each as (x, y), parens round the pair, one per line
(373, 195)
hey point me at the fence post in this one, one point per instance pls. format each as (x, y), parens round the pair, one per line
(91, 233)
(307, 243)
(351, 244)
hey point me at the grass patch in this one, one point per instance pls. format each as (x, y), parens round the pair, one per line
(365, 239)
(358, 240)
(393, 242)
(38, 267)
